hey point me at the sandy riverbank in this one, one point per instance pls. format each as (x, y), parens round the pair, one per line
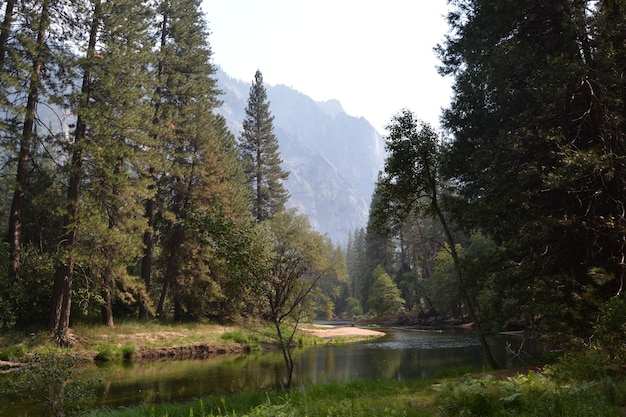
(329, 331)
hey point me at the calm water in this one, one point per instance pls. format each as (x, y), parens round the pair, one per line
(399, 355)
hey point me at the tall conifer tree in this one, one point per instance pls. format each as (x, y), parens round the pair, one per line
(539, 149)
(192, 146)
(60, 311)
(116, 182)
(35, 50)
(260, 155)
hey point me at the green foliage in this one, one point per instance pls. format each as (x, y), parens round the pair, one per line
(25, 302)
(259, 154)
(385, 295)
(547, 185)
(581, 366)
(115, 353)
(107, 353)
(128, 351)
(444, 288)
(610, 331)
(50, 380)
(524, 395)
(354, 307)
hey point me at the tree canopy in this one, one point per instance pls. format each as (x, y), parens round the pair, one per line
(260, 156)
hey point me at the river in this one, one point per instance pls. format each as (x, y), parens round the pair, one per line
(399, 355)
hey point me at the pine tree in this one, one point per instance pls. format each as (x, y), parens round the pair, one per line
(260, 156)
(61, 306)
(539, 148)
(198, 172)
(36, 53)
(105, 176)
(116, 183)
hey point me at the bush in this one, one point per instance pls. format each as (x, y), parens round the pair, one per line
(30, 296)
(128, 351)
(108, 353)
(526, 395)
(51, 381)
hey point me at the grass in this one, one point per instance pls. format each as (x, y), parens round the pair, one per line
(477, 394)
(355, 399)
(127, 338)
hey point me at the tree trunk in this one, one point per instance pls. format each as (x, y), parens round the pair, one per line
(171, 270)
(62, 292)
(5, 30)
(459, 277)
(107, 308)
(146, 261)
(285, 347)
(17, 205)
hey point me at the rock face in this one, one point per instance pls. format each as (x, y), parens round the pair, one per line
(333, 158)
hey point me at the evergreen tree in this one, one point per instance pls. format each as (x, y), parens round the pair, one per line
(200, 182)
(259, 152)
(104, 182)
(539, 149)
(115, 183)
(61, 306)
(36, 52)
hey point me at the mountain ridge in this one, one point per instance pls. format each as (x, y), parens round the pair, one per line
(333, 158)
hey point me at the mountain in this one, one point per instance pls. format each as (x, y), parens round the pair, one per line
(333, 159)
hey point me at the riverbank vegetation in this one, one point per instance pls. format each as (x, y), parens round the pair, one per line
(567, 388)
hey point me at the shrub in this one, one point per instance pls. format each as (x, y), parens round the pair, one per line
(128, 351)
(108, 353)
(51, 381)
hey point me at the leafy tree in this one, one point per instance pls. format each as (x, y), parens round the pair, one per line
(298, 261)
(538, 149)
(412, 183)
(385, 295)
(260, 156)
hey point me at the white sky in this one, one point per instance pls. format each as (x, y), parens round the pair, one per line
(376, 57)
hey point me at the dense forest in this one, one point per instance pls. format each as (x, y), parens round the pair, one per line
(515, 210)
(126, 196)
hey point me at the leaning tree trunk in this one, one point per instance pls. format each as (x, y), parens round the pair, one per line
(461, 282)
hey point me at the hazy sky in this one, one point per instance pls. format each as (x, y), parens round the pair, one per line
(376, 57)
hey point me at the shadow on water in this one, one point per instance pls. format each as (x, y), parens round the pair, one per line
(400, 355)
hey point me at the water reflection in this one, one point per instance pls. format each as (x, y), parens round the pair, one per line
(400, 355)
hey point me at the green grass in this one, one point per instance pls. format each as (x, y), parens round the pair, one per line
(557, 391)
(354, 399)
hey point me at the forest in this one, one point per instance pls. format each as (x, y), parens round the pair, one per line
(127, 197)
